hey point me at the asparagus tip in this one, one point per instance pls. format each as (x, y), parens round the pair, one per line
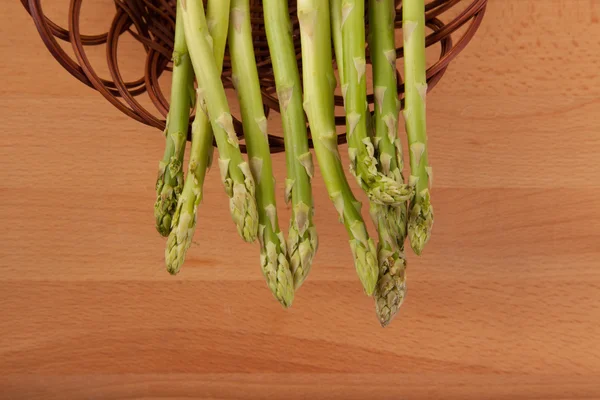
(302, 249)
(420, 222)
(380, 189)
(163, 211)
(244, 212)
(169, 186)
(365, 261)
(163, 224)
(180, 240)
(276, 268)
(391, 288)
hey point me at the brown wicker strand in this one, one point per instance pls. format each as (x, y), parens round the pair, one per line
(152, 23)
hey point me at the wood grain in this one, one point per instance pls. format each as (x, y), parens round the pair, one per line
(504, 304)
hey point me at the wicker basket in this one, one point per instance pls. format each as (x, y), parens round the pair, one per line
(152, 23)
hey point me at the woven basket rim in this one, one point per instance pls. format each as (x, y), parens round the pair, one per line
(155, 32)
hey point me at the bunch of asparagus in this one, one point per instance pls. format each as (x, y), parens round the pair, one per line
(399, 209)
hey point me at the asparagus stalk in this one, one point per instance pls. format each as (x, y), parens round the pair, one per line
(420, 220)
(273, 253)
(363, 164)
(235, 172)
(169, 182)
(302, 235)
(319, 83)
(185, 217)
(390, 220)
(382, 44)
(336, 32)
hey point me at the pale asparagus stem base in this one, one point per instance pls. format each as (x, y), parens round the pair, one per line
(185, 217)
(319, 84)
(420, 220)
(274, 260)
(235, 172)
(169, 183)
(302, 240)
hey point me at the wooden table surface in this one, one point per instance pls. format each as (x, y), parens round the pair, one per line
(504, 304)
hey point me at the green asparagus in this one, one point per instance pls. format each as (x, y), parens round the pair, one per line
(185, 217)
(169, 182)
(273, 254)
(383, 58)
(319, 84)
(235, 172)
(302, 235)
(380, 188)
(390, 220)
(335, 9)
(420, 220)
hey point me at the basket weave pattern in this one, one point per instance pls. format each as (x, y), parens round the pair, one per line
(152, 23)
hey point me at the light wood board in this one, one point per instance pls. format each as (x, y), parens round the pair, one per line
(504, 303)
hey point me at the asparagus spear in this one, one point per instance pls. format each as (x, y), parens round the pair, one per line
(273, 253)
(185, 217)
(235, 172)
(335, 7)
(169, 182)
(319, 83)
(383, 58)
(390, 220)
(420, 220)
(302, 235)
(363, 165)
